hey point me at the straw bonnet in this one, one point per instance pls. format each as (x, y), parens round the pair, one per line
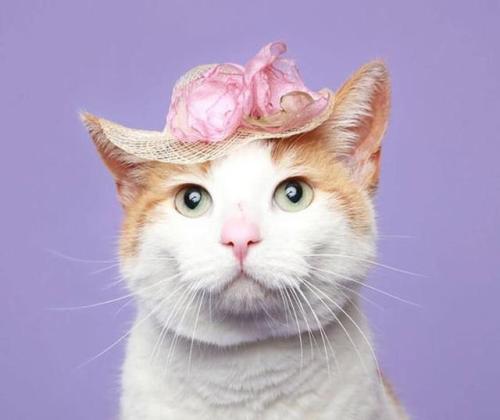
(217, 108)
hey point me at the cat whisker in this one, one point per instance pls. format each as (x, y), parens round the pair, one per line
(194, 331)
(285, 305)
(93, 305)
(115, 261)
(210, 307)
(76, 259)
(383, 292)
(287, 295)
(375, 263)
(311, 287)
(181, 300)
(360, 295)
(353, 291)
(120, 339)
(118, 299)
(173, 344)
(102, 270)
(117, 281)
(166, 324)
(269, 317)
(304, 317)
(396, 237)
(324, 337)
(122, 307)
(360, 330)
(187, 295)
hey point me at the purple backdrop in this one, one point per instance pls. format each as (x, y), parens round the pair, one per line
(439, 200)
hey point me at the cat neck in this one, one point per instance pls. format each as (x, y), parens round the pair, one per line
(255, 375)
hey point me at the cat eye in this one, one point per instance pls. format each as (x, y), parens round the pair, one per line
(293, 195)
(193, 201)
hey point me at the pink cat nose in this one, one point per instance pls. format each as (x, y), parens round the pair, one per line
(240, 234)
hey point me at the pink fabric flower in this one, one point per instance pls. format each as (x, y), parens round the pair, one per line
(211, 107)
(281, 101)
(269, 77)
(267, 94)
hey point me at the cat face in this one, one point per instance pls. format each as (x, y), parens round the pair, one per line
(271, 240)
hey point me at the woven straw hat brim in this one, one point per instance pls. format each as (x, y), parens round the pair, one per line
(162, 146)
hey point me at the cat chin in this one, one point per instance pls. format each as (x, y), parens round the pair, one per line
(227, 323)
(234, 330)
(243, 298)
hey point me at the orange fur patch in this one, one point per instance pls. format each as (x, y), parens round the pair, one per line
(153, 177)
(341, 157)
(319, 165)
(389, 389)
(312, 152)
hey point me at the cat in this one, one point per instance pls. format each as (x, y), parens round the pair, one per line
(246, 271)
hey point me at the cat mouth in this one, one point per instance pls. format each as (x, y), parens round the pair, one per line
(244, 277)
(242, 295)
(244, 284)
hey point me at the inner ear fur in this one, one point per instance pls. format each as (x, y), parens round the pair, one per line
(359, 121)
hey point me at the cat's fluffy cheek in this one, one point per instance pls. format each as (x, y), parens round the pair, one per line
(325, 232)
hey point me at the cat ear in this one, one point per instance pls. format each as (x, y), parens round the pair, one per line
(126, 169)
(359, 121)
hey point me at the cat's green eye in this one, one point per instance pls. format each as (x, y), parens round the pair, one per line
(193, 201)
(293, 195)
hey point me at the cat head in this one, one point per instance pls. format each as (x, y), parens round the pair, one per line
(270, 240)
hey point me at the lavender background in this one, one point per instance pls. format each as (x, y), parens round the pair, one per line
(439, 200)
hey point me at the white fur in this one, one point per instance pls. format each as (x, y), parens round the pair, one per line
(205, 346)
